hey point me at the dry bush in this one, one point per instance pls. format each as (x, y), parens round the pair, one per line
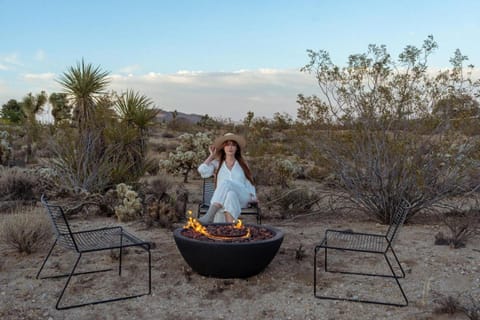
(294, 201)
(447, 304)
(461, 226)
(165, 202)
(25, 230)
(17, 184)
(465, 304)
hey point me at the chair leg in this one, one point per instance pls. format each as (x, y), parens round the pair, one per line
(149, 270)
(399, 264)
(396, 280)
(120, 255)
(65, 274)
(315, 272)
(356, 273)
(45, 261)
(72, 273)
(326, 257)
(66, 285)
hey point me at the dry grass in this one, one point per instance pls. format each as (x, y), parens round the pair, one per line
(25, 230)
(17, 184)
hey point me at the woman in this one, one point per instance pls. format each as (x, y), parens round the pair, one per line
(233, 179)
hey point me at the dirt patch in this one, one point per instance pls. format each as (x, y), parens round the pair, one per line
(284, 290)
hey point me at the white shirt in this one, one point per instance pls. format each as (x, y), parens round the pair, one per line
(235, 174)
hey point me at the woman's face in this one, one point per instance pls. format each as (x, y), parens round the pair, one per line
(230, 147)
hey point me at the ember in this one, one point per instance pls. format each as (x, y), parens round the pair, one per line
(235, 232)
(227, 233)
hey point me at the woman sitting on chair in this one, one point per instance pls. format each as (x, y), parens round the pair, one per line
(233, 179)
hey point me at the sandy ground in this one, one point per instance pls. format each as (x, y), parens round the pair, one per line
(284, 290)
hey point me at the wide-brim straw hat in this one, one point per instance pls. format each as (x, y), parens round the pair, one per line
(218, 143)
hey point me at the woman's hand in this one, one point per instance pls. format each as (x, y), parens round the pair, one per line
(212, 150)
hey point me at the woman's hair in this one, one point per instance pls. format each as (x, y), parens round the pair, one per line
(241, 162)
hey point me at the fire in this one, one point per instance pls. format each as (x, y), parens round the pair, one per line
(194, 224)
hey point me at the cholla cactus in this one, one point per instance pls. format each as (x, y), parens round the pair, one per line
(5, 148)
(191, 152)
(130, 204)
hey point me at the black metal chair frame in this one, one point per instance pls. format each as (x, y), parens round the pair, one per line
(90, 241)
(207, 193)
(364, 243)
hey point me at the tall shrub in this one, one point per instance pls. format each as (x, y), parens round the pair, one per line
(376, 142)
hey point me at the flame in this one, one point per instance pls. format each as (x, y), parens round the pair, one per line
(194, 224)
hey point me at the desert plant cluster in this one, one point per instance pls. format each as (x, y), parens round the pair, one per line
(381, 132)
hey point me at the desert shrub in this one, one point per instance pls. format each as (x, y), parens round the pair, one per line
(447, 304)
(25, 230)
(461, 303)
(17, 184)
(374, 111)
(5, 148)
(461, 226)
(130, 204)
(270, 171)
(316, 173)
(165, 202)
(294, 201)
(191, 152)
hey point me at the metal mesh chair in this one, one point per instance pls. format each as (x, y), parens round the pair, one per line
(90, 241)
(207, 193)
(349, 241)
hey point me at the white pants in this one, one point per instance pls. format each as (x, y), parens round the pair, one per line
(232, 196)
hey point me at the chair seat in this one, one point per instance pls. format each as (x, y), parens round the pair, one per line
(353, 241)
(104, 239)
(251, 209)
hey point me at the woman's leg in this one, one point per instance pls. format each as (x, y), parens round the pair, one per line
(210, 215)
(232, 206)
(227, 186)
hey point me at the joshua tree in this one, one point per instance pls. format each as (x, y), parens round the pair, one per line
(61, 110)
(31, 105)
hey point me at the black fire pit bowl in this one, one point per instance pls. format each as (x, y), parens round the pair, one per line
(229, 259)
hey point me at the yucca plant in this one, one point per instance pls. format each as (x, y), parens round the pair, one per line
(83, 83)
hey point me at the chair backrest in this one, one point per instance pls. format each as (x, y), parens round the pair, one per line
(397, 221)
(208, 189)
(60, 225)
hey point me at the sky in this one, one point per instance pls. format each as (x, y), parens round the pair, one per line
(217, 57)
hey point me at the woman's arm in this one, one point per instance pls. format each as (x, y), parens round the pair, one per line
(207, 168)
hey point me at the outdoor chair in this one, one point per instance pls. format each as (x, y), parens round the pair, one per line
(207, 193)
(349, 241)
(88, 241)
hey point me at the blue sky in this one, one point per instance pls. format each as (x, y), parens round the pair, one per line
(223, 58)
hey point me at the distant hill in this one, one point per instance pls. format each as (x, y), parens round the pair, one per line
(167, 116)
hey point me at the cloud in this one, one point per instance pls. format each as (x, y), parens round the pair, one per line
(227, 95)
(11, 59)
(39, 76)
(129, 69)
